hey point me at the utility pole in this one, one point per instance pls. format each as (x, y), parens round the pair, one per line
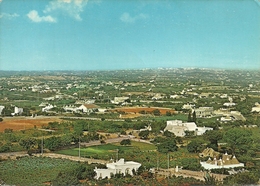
(117, 155)
(79, 147)
(168, 164)
(42, 146)
(157, 162)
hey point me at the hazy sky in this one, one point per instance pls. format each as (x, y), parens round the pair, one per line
(129, 34)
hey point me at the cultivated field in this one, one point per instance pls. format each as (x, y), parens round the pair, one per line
(22, 123)
(131, 112)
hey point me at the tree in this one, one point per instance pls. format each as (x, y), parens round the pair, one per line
(125, 142)
(194, 117)
(156, 112)
(189, 117)
(168, 113)
(191, 164)
(194, 146)
(189, 133)
(168, 134)
(238, 139)
(1, 119)
(214, 136)
(144, 134)
(167, 146)
(244, 178)
(28, 144)
(210, 179)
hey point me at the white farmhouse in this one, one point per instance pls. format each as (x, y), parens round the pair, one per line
(1, 109)
(256, 108)
(178, 128)
(47, 108)
(188, 106)
(119, 100)
(229, 104)
(88, 108)
(17, 111)
(119, 167)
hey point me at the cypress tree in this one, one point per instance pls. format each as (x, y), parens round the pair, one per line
(189, 117)
(194, 117)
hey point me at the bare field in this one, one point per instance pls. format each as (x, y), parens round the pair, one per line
(134, 111)
(21, 123)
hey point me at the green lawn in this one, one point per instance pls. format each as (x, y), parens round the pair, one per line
(107, 151)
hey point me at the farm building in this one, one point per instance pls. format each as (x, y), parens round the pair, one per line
(88, 108)
(119, 167)
(178, 128)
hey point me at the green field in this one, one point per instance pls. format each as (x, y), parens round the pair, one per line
(108, 151)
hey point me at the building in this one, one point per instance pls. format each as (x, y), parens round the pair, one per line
(203, 112)
(178, 128)
(17, 111)
(232, 116)
(229, 104)
(218, 162)
(188, 106)
(88, 108)
(70, 108)
(120, 100)
(47, 108)
(256, 108)
(119, 167)
(1, 109)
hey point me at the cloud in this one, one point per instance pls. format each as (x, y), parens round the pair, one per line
(73, 8)
(8, 16)
(127, 18)
(34, 16)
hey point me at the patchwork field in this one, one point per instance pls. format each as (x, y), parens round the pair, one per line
(22, 123)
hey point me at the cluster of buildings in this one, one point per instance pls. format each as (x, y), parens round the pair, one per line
(179, 128)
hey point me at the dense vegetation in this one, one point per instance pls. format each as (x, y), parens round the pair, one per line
(37, 171)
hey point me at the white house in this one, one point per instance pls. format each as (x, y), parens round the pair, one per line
(70, 108)
(17, 111)
(119, 100)
(229, 104)
(256, 108)
(1, 109)
(119, 167)
(47, 108)
(178, 128)
(88, 108)
(188, 106)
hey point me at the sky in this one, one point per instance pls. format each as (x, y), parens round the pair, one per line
(129, 34)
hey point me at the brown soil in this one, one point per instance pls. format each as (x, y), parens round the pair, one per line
(21, 123)
(147, 109)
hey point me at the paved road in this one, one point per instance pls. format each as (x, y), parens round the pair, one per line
(187, 173)
(73, 158)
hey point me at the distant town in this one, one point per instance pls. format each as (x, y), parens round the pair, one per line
(167, 126)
